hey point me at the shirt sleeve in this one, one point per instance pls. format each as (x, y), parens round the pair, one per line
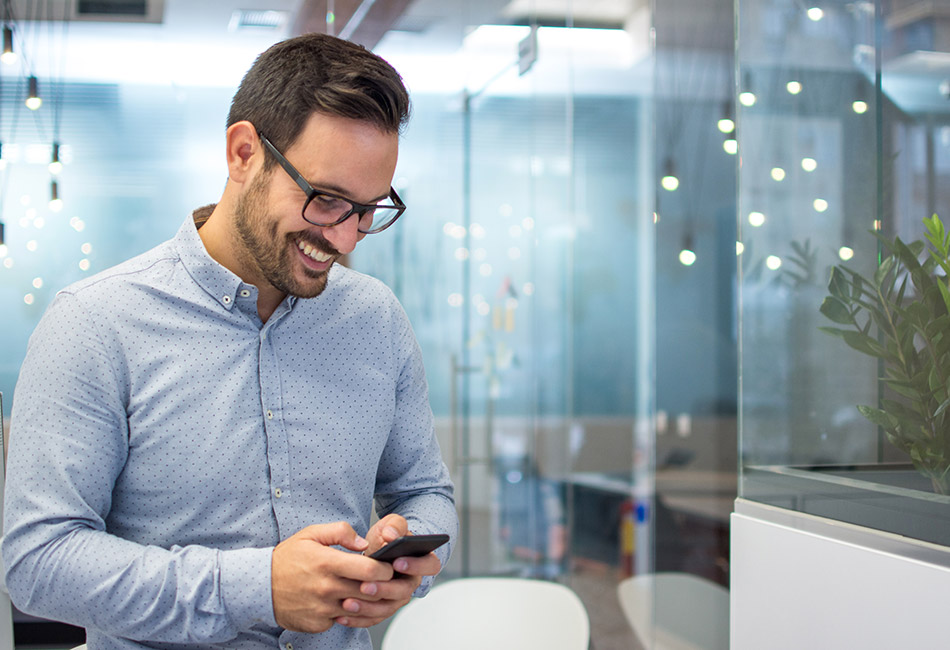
(68, 444)
(412, 479)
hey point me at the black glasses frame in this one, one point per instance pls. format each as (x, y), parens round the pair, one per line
(312, 193)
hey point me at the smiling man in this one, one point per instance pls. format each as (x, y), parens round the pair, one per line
(200, 434)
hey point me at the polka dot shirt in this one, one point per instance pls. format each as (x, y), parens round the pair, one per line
(164, 439)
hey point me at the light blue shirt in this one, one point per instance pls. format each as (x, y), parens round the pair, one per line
(164, 440)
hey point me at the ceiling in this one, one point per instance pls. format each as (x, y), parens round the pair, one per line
(204, 42)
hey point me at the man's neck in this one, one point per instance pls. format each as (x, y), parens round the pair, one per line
(219, 241)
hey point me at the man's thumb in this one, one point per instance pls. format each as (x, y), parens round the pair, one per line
(339, 533)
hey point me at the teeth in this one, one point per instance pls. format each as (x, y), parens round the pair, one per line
(313, 253)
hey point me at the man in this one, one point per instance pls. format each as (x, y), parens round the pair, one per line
(199, 434)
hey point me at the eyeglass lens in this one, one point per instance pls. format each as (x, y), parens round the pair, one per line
(327, 210)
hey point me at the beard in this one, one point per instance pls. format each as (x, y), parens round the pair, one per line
(270, 254)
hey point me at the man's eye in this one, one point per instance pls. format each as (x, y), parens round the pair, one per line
(325, 202)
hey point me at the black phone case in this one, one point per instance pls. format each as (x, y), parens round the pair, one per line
(410, 546)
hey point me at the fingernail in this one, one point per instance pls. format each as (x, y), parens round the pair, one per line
(369, 588)
(392, 532)
(400, 565)
(352, 606)
(361, 542)
(343, 621)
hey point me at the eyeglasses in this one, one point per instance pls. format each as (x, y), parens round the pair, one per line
(327, 209)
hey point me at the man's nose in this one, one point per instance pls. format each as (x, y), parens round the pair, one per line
(344, 236)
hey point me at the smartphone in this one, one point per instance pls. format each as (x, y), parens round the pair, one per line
(410, 546)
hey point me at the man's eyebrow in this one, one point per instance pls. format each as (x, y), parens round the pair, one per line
(334, 189)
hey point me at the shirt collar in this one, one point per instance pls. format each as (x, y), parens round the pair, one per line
(220, 283)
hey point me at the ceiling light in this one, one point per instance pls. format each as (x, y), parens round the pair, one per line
(669, 181)
(55, 166)
(55, 203)
(33, 99)
(8, 56)
(726, 124)
(687, 255)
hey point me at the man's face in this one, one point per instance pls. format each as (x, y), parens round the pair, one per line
(339, 155)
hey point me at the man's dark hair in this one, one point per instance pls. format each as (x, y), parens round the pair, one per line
(318, 73)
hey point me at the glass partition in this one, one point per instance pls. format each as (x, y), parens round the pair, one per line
(525, 264)
(843, 123)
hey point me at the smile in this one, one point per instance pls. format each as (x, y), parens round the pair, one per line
(313, 253)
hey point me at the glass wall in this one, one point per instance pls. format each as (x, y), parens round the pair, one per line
(843, 326)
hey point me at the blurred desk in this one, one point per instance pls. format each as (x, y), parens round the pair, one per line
(705, 493)
(690, 518)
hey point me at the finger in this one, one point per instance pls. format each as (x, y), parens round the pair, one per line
(386, 530)
(393, 526)
(356, 608)
(427, 565)
(398, 589)
(339, 533)
(358, 621)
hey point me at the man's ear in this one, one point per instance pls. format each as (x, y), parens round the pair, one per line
(244, 151)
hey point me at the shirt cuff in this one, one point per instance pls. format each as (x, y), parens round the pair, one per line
(246, 586)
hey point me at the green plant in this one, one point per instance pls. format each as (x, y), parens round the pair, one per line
(901, 315)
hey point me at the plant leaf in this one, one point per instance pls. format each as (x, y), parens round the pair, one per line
(877, 416)
(836, 310)
(838, 285)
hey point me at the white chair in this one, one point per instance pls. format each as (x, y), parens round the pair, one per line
(496, 613)
(676, 611)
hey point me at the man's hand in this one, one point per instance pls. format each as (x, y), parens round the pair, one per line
(312, 583)
(378, 600)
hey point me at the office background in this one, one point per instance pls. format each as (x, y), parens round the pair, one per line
(581, 315)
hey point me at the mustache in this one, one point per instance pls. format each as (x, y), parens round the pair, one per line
(317, 241)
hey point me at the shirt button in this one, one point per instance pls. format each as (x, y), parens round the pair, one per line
(270, 414)
(244, 294)
(277, 492)
(226, 300)
(289, 646)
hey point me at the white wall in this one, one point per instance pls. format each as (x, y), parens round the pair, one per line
(802, 582)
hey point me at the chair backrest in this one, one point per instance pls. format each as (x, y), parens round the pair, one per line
(676, 611)
(496, 613)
